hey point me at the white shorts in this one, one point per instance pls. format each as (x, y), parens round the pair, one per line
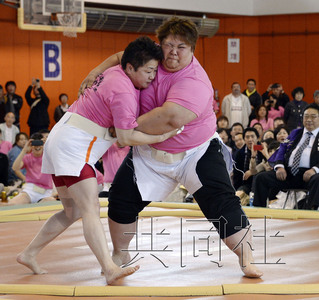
(68, 149)
(35, 192)
(156, 180)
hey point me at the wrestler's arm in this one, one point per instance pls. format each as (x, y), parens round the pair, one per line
(132, 137)
(111, 61)
(165, 118)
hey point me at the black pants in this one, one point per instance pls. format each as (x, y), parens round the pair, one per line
(266, 181)
(216, 197)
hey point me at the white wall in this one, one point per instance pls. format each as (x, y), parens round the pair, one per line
(233, 7)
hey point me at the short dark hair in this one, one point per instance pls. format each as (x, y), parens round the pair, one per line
(182, 27)
(237, 124)
(235, 82)
(296, 90)
(278, 128)
(312, 105)
(251, 129)
(10, 83)
(36, 136)
(63, 94)
(141, 51)
(220, 130)
(222, 117)
(275, 85)
(44, 131)
(251, 79)
(18, 136)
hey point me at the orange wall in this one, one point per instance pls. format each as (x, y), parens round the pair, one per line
(272, 49)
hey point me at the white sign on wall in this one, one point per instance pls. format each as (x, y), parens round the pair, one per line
(233, 50)
(52, 61)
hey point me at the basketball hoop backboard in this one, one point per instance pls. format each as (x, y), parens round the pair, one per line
(42, 15)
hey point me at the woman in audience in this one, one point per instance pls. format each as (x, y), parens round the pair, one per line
(21, 140)
(281, 133)
(262, 118)
(269, 134)
(259, 129)
(38, 186)
(222, 122)
(294, 109)
(61, 109)
(274, 109)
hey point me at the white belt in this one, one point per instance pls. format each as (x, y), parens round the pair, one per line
(166, 157)
(89, 127)
(170, 158)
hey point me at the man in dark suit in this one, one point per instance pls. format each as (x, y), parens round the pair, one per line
(296, 162)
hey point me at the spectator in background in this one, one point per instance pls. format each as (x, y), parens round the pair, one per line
(278, 91)
(281, 133)
(9, 130)
(62, 108)
(316, 97)
(236, 128)
(45, 134)
(269, 134)
(15, 99)
(5, 146)
(239, 143)
(39, 117)
(278, 122)
(262, 118)
(5, 105)
(236, 106)
(253, 96)
(243, 178)
(222, 122)
(294, 109)
(274, 109)
(259, 129)
(21, 139)
(38, 186)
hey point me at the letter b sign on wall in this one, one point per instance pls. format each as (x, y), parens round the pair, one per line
(52, 58)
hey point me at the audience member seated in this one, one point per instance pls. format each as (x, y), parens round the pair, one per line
(294, 109)
(269, 134)
(278, 91)
(259, 129)
(267, 151)
(296, 163)
(262, 118)
(8, 129)
(39, 117)
(281, 133)
(38, 186)
(21, 139)
(222, 122)
(242, 176)
(253, 96)
(5, 146)
(6, 105)
(236, 128)
(274, 109)
(236, 106)
(278, 122)
(225, 137)
(239, 143)
(61, 109)
(45, 134)
(316, 97)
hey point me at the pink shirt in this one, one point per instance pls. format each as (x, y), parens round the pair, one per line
(265, 124)
(111, 101)
(192, 89)
(33, 165)
(274, 113)
(5, 147)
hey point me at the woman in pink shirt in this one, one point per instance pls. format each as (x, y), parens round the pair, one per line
(262, 118)
(274, 110)
(38, 186)
(81, 137)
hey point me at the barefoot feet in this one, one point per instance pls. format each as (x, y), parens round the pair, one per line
(119, 273)
(31, 263)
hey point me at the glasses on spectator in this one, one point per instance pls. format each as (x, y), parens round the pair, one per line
(312, 117)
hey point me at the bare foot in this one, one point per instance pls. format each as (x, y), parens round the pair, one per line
(121, 258)
(119, 273)
(31, 263)
(250, 270)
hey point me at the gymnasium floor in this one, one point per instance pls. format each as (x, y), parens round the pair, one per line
(179, 253)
